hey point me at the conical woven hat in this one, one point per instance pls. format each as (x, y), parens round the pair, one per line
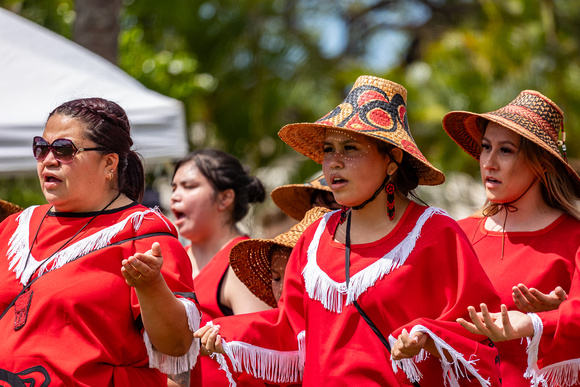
(7, 209)
(374, 107)
(531, 115)
(251, 262)
(296, 199)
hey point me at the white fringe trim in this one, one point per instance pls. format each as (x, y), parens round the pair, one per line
(173, 365)
(330, 293)
(19, 245)
(563, 374)
(266, 364)
(452, 371)
(301, 348)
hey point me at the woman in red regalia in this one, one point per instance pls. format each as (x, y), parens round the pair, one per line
(96, 289)
(527, 237)
(383, 274)
(212, 192)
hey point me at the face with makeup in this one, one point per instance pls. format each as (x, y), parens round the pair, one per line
(505, 173)
(353, 166)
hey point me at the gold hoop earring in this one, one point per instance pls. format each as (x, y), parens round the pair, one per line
(110, 176)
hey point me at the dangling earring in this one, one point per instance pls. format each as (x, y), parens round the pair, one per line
(390, 190)
(343, 211)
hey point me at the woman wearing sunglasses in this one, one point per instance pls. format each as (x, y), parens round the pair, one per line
(371, 292)
(96, 289)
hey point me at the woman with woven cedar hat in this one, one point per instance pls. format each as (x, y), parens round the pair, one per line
(527, 237)
(384, 266)
(88, 280)
(296, 199)
(212, 192)
(261, 263)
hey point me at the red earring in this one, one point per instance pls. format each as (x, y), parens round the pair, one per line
(390, 190)
(343, 211)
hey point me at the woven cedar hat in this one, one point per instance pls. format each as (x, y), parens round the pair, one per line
(7, 209)
(374, 107)
(250, 258)
(295, 199)
(531, 115)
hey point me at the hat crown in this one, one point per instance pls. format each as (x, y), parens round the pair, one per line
(373, 105)
(537, 114)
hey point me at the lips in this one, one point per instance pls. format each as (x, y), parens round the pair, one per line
(179, 216)
(51, 181)
(337, 181)
(491, 182)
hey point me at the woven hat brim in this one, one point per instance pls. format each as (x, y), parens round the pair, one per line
(7, 209)
(294, 199)
(462, 127)
(250, 261)
(308, 139)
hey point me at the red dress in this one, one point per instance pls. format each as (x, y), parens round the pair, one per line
(83, 324)
(422, 276)
(540, 259)
(207, 283)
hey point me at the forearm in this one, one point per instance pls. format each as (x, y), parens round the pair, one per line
(165, 319)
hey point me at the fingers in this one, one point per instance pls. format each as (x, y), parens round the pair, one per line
(469, 326)
(156, 249)
(519, 299)
(560, 293)
(408, 346)
(508, 331)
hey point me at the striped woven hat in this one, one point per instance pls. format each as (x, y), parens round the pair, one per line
(375, 107)
(296, 199)
(7, 209)
(531, 115)
(250, 258)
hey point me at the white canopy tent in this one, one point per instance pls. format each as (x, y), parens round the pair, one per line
(40, 69)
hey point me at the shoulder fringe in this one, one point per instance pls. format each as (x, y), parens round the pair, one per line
(452, 371)
(564, 373)
(19, 245)
(173, 365)
(332, 294)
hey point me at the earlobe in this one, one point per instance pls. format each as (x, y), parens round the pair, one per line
(111, 163)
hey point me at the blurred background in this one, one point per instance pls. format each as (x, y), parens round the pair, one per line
(242, 69)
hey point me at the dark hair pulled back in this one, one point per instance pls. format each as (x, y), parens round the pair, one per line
(107, 125)
(224, 172)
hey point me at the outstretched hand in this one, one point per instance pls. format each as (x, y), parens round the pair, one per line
(143, 268)
(407, 345)
(533, 301)
(506, 325)
(211, 340)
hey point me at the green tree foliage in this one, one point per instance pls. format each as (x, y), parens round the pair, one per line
(245, 68)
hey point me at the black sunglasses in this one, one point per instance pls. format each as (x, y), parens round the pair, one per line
(63, 149)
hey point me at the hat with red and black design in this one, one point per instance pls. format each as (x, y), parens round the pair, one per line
(375, 107)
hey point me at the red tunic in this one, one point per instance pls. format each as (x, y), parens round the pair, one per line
(207, 283)
(83, 325)
(540, 259)
(422, 276)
